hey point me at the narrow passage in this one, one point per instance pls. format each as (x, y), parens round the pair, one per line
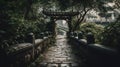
(60, 55)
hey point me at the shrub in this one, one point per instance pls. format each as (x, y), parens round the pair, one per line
(111, 35)
(94, 28)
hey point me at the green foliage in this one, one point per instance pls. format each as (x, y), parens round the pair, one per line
(18, 29)
(93, 28)
(111, 35)
(17, 19)
(20, 17)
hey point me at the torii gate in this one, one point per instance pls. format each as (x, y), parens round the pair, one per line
(60, 15)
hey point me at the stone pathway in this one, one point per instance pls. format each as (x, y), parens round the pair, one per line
(60, 55)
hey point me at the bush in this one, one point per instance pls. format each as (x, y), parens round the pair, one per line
(15, 30)
(111, 35)
(94, 28)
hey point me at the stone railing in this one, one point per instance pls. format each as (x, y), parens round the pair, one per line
(96, 55)
(21, 55)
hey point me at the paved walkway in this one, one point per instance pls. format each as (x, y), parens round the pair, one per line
(60, 55)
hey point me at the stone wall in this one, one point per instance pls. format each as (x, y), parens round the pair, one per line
(95, 55)
(21, 55)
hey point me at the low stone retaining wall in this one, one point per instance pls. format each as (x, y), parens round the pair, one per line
(96, 55)
(21, 55)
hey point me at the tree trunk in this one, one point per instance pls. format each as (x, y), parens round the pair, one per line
(28, 8)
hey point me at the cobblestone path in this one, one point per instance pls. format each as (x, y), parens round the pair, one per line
(60, 55)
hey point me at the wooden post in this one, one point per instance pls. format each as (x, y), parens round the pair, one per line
(69, 25)
(53, 26)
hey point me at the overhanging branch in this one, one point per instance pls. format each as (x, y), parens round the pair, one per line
(81, 18)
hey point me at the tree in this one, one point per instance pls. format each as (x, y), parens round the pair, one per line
(82, 6)
(95, 29)
(17, 19)
(111, 35)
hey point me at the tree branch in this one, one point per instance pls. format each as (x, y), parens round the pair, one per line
(81, 19)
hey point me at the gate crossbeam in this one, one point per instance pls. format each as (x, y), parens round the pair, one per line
(53, 13)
